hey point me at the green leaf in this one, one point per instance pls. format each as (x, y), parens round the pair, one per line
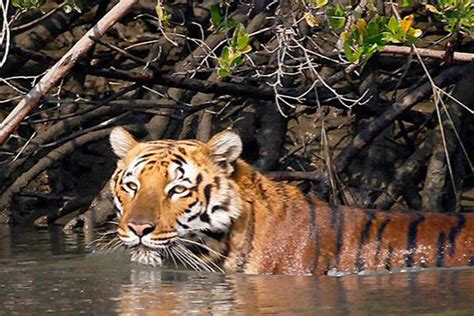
(225, 53)
(357, 54)
(235, 59)
(243, 42)
(239, 31)
(321, 3)
(348, 51)
(390, 38)
(371, 6)
(28, 4)
(372, 28)
(223, 72)
(246, 49)
(393, 24)
(216, 17)
(337, 16)
(337, 22)
(227, 24)
(372, 50)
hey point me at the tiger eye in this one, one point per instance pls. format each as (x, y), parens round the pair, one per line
(131, 185)
(179, 189)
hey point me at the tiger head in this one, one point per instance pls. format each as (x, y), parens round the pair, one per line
(173, 193)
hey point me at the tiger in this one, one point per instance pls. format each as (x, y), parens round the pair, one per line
(199, 205)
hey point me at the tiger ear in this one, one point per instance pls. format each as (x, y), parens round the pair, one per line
(225, 147)
(122, 141)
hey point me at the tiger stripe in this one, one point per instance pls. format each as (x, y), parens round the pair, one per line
(454, 232)
(363, 239)
(440, 249)
(379, 237)
(337, 223)
(412, 236)
(314, 232)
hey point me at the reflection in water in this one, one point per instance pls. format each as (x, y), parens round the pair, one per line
(47, 271)
(427, 292)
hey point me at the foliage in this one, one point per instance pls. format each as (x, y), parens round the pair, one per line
(456, 15)
(220, 23)
(363, 39)
(369, 35)
(318, 3)
(232, 55)
(337, 16)
(69, 5)
(28, 4)
(163, 16)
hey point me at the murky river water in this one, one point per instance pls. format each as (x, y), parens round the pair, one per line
(48, 272)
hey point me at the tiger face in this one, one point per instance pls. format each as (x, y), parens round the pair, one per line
(174, 196)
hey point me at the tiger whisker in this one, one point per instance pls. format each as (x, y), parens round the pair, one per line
(203, 246)
(116, 246)
(184, 259)
(112, 222)
(200, 260)
(110, 245)
(95, 241)
(101, 237)
(169, 254)
(196, 263)
(173, 257)
(209, 262)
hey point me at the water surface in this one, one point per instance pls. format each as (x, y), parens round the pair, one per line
(46, 271)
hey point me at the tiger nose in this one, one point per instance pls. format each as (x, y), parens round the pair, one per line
(141, 229)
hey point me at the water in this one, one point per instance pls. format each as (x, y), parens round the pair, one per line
(46, 271)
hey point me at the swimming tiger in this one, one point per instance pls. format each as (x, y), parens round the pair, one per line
(199, 205)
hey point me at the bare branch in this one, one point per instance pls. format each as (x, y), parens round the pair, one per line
(424, 52)
(30, 101)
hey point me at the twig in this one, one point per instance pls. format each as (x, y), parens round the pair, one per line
(60, 69)
(26, 26)
(295, 176)
(367, 135)
(424, 52)
(44, 163)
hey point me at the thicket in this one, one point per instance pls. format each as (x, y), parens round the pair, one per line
(366, 103)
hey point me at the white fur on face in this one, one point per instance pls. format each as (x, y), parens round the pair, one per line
(223, 205)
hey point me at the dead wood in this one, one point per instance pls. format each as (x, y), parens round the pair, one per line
(44, 163)
(49, 133)
(270, 136)
(431, 53)
(407, 173)
(295, 176)
(45, 32)
(366, 136)
(432, 146)
(158, 124)
(30, 101)
(438, 179)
